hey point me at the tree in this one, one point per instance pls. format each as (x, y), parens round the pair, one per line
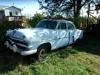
(35, 19)
(63, 7)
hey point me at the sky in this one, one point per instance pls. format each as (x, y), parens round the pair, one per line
(29, 7)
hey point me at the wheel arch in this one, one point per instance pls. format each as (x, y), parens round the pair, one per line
(45, 45)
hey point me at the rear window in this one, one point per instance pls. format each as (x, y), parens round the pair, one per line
(70, 26)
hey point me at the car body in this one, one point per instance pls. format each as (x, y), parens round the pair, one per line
(54, 33)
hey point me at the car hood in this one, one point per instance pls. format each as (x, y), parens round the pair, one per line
(28, 34)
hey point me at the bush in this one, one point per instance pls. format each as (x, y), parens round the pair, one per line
(82, 22)
(35, 19)
(4, 26)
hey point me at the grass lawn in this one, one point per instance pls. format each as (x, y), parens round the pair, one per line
(79, 59)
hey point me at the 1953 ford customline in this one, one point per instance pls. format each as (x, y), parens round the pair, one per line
(47, 35)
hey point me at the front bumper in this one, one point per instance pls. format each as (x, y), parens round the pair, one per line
(14, 47)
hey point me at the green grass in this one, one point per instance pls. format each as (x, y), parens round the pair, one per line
(79, 59)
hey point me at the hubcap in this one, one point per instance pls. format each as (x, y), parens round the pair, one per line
(42, 54)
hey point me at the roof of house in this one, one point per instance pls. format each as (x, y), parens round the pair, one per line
(2, 7)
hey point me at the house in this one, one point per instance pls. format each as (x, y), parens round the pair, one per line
(11, 13)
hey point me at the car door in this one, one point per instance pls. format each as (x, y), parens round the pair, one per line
(62, 37)
(71, 30)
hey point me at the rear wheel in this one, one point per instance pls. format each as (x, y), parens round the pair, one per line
(73, 39)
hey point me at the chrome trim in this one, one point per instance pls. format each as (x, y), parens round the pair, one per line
(22, 45)
(25, 53)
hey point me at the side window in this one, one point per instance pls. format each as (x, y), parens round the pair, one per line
(62, 26)
(70, 26)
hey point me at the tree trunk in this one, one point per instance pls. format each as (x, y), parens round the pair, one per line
(77, 7)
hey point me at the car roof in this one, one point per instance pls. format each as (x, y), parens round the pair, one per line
(62, 20)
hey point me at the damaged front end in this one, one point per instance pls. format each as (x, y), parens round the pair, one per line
(17, 42)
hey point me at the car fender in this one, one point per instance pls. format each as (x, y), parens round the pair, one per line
(78, 34)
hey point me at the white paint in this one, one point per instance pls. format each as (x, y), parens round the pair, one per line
(13, 10)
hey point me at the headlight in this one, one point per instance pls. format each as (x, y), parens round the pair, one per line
(23, 37)
(8, 32)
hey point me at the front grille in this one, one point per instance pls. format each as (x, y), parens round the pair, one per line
(22, 45)
(19, 41)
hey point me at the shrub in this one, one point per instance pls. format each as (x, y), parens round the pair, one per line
(35, 19)
(82, 22)
(4, 26)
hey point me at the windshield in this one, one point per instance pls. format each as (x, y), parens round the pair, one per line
(47, 24)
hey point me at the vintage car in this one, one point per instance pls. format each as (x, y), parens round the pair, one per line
(47, 35)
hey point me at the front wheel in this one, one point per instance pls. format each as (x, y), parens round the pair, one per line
(41, 54)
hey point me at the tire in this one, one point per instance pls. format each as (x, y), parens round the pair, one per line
(42, 53)
(78, 41)
(73, 40)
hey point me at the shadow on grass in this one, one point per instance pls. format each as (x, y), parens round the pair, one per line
(64, 52)
(10, 60)
(90, 44)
